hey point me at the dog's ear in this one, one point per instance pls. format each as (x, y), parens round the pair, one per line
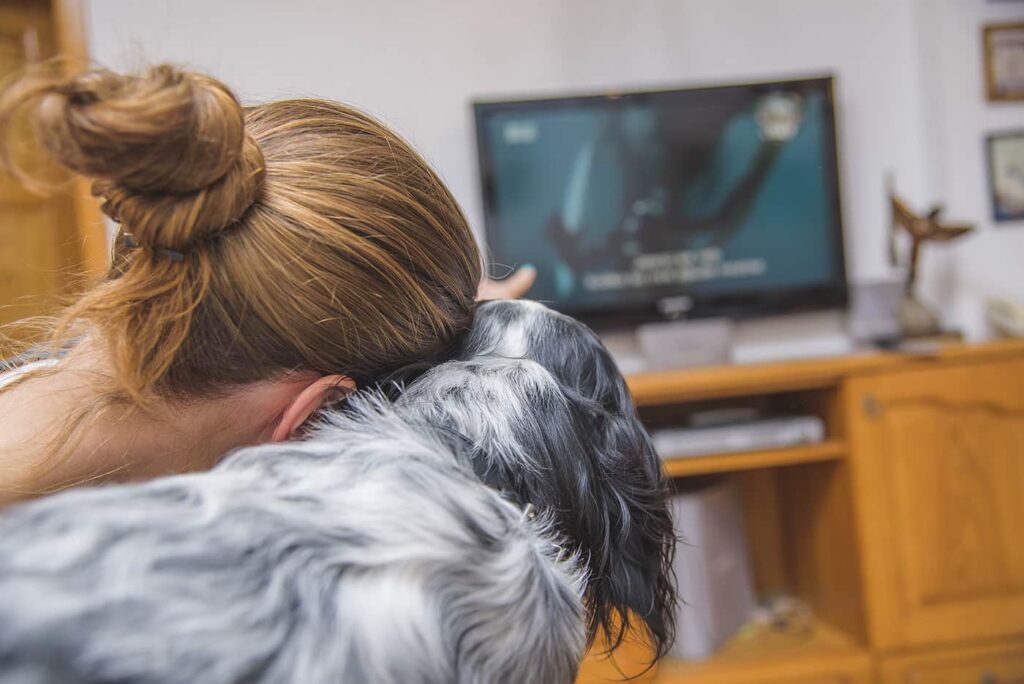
(624, 516)
(621, 513)
(569, 441)
(591, 469)
(633, 574)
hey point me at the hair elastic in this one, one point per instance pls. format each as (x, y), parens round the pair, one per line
(130, 242)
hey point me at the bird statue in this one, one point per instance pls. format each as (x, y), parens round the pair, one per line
(916, 319)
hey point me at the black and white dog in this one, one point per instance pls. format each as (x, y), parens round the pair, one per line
(478, 528)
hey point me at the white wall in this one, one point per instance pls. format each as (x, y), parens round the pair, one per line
(418, 65)
(957, 118)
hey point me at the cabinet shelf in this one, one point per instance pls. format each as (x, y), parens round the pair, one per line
(935, 468)
(829, 450)
(658, 388)
(769, 657)
(762, 657)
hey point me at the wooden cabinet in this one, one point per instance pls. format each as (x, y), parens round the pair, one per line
(46, 242)
(815, 669)
(824, 656)
(991, 664)
(857, 674)
(31, 239)
(939, 471)
(903, 532)
(857, 677)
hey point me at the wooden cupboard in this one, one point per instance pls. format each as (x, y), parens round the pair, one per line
(48, 243)
(903, 531)
(940, 460)
(998, 663)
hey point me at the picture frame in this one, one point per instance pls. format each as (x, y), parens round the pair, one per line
(1005, 154)
(1003, 46)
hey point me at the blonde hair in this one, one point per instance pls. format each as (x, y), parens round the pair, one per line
(293, 235)
(299, 234)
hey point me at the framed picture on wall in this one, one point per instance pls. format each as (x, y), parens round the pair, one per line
(1004, 61)
(1006, 174)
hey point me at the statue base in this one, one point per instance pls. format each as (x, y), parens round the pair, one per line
(917, 320)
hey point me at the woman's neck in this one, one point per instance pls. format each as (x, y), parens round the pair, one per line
(64, 428)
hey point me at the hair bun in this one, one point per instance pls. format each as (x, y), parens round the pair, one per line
(168, 148)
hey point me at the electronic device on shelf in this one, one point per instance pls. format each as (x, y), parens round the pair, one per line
(712, 568)
(650, 206)
(746, 435)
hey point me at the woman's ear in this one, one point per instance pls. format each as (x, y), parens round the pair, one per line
(321, 391)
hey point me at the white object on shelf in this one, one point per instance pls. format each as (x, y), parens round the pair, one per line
(1006, 317)
(875, 310)
(795, 336)
(684, 344)
(769, 433)
(712, 569)
(625, 349)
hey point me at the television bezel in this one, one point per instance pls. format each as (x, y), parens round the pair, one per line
(834, 295)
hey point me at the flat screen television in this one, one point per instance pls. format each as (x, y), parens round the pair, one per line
(644, 206)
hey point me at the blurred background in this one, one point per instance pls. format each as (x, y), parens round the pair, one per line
(909, 87)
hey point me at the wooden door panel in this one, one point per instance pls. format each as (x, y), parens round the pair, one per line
(30, 260)
(965, 528)
(938, 458)
(40, 248)
(1003, 664)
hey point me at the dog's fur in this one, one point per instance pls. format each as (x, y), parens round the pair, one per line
(397, 544)
(553, 424)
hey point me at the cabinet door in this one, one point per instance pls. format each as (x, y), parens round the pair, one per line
(42, 250)
(938, 462)
(980, 665)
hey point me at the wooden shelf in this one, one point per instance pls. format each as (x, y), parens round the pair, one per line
(769, 656)
(829, 450)
(717, 382)
(746, 658)
(824, 534)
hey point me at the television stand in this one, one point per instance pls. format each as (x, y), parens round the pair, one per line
(719, 341)
(900, 531)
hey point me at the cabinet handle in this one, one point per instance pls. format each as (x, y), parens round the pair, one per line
(873, 409)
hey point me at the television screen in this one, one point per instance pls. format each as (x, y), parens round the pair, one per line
(640, 206)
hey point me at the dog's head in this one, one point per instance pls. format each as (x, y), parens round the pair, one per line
(545, 416)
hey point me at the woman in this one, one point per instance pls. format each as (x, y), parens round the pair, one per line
(479, 528)
(270, 260)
